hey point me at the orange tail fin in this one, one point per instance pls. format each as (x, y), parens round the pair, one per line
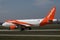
(50, 16)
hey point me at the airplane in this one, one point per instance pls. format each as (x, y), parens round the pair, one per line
(29, 23)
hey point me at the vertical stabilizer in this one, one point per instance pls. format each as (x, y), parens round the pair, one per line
(50, 16)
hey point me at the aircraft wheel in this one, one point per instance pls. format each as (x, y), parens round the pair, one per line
(30, 28)
(22, 29)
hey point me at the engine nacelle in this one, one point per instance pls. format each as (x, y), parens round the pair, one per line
(9, 25)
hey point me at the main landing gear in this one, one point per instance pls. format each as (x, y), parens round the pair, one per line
(25, 28)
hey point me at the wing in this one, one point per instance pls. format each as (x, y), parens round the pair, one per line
(19, 22)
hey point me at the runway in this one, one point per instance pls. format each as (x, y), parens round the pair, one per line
(31, 35)
(40, 34)
(31, 32)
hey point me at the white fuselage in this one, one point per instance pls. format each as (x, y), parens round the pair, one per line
(35, 22)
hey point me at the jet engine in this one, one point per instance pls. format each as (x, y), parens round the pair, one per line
(9, 25)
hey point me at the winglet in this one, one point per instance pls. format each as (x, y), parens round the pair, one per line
(50, 16)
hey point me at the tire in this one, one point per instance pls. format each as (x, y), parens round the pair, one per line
(30, 28)
(22, 28)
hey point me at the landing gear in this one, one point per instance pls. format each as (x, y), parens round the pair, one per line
(22, 28)
(29, 28)
(25, 28)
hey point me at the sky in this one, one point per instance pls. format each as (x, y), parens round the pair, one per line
(27, 9)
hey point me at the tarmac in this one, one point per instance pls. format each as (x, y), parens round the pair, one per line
(40, 34)
(32, 32)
